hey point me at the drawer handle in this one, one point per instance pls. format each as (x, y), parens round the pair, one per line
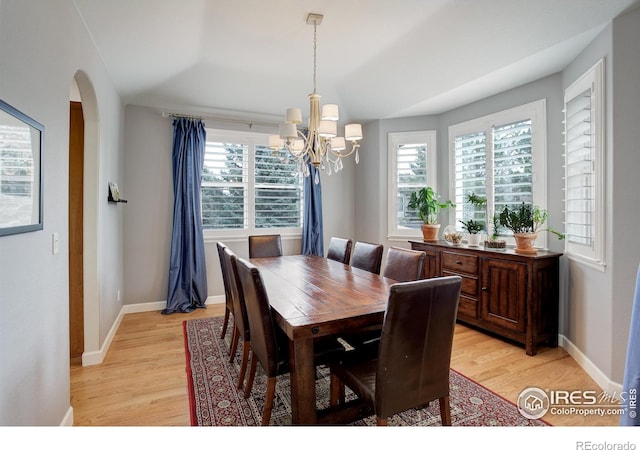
(459, 263)
(484, 288)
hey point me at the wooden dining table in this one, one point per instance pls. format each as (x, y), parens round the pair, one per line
(312, 296)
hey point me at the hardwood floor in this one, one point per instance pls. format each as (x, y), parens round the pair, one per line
(142, 381)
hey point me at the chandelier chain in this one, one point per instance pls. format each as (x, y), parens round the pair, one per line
(315, 27)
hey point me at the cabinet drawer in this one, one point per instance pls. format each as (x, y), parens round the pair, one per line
(469, 284)
(467, 308)
(460, 263)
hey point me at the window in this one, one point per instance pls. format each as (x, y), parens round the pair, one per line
(412, 165)
(584, 143)
(246, 189)
(501, 157)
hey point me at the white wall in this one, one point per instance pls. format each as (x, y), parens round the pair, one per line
(43, 44)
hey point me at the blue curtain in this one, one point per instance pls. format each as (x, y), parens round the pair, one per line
(312, 240)
(187, 271)
(631, 384)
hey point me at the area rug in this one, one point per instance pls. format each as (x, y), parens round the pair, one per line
(215, 400)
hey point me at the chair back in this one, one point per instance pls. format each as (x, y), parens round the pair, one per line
(367, 256)
(415, 348)
(265, 246)
(225, 275)
(237, 295)
(339, 249)
(263, 334)
(404, 265)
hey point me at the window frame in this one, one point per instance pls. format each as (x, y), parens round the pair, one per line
(250, 139)
(536, 112)
(593, 79)
(394, 139)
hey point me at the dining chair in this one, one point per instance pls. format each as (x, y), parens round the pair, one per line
(228, 310)
(413, 362)
(339, 249)
(241, 325)
(403, 264)
(269, 344)
(265, 246)
(367, 256)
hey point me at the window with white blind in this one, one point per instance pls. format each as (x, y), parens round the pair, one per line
(501, 157)
(583, 124)
(246, 189)
(412, 165)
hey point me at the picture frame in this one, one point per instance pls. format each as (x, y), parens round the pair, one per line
(21, 172)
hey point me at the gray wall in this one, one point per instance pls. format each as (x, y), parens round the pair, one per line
(43, 44)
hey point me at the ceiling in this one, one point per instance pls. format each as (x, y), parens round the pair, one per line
(375, 58)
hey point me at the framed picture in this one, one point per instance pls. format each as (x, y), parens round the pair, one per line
(21, 147)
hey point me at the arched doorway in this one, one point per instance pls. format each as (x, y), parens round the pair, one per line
(83, 212)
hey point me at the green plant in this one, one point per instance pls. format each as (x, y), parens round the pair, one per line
(525, 218)
(495, 220)
(476, 200)
(428, 204)
(471, 226)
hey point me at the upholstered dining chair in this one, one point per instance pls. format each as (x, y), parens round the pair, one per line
(339, 249)
(265, 246)
(403, 264)
(228, 310)
(269, 344)
(413, 363)
(241, 324)
(367, 256)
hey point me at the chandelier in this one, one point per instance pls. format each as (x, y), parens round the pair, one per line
(320, 145)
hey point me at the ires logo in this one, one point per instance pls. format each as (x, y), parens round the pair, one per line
(534, 403)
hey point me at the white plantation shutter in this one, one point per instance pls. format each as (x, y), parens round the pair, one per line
(224, 186)
(278, 191)
(412, 166)
(512, 164)
(470, 166)
(245, 187)
(497, 157)
(583, 123)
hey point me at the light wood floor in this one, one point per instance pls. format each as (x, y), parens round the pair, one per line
(142, 381)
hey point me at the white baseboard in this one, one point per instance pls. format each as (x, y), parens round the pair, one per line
(95, 358)
(67, 420)
(605, 383)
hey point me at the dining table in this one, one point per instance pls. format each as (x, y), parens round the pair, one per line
(311, 297)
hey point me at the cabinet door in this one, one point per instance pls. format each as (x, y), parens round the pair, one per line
(504, 294)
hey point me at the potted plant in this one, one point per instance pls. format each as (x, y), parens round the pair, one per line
(472, 227)
(428, 204)
(525, 221)
(494, 241)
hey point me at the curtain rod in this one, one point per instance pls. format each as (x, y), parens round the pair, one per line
(250, 123)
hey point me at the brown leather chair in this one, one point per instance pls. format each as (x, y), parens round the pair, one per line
(413, 363)
(265, 246)
(404, 265)
(241, 324)
(339, 250)
(228, 310)
(269, 344)
(367, 256)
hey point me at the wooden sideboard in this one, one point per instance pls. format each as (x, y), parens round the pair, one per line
(512, 295)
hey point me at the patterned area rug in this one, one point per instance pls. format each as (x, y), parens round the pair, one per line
(215, 400)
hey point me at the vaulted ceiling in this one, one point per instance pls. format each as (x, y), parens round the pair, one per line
(375, 58)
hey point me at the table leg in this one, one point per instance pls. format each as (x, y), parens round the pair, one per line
(303, 382)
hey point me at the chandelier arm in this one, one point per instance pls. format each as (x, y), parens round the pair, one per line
(341, 154)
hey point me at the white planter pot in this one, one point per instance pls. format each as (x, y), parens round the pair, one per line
(473, 240)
